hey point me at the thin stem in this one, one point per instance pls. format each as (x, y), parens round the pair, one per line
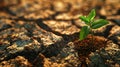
(92, 33)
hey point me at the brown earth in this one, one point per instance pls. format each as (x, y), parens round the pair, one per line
(45, 33)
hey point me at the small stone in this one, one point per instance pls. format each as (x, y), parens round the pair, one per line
(60, 6)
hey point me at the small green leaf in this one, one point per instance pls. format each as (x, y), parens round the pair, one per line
(91, 15)
(99, 23)
(84, 19)
(84, 32)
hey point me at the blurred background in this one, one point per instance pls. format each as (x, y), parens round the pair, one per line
(72, 8)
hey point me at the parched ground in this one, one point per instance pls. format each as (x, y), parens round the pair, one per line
(41, 33)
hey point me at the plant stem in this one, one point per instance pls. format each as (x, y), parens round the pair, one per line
(92, 33)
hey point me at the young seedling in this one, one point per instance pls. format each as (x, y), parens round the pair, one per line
(90, 24)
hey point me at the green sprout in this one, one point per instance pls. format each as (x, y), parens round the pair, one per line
(90, 24)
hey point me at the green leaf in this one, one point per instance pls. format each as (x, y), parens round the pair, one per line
(84, 19)
(91, 15)
(84, 32)
(99, 23)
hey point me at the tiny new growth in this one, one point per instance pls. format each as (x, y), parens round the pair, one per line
(91, 24)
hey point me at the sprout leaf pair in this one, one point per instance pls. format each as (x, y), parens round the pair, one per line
(91, 24)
